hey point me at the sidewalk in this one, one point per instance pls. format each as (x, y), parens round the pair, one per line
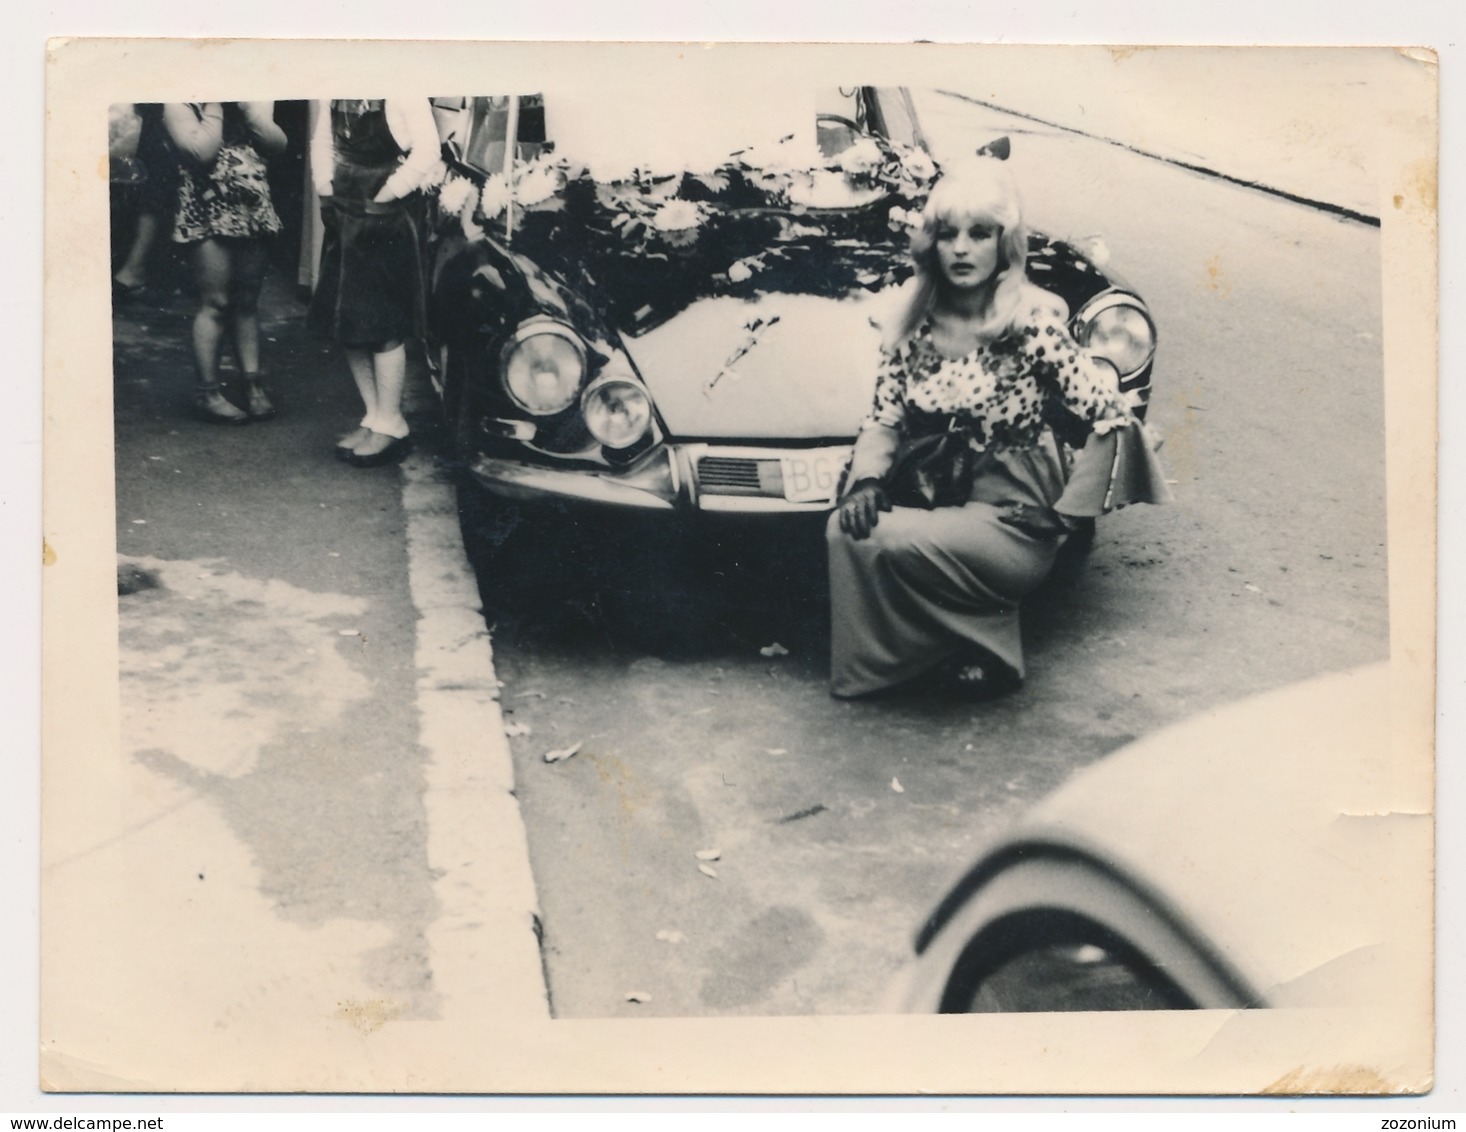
(312, 835)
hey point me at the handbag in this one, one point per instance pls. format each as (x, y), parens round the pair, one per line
(934, 470)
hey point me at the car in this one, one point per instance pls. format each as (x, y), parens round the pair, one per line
(1238, 860)
(686, 329)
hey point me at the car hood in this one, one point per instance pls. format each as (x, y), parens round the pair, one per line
(776, 367)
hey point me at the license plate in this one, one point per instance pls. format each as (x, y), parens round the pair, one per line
(810, 477)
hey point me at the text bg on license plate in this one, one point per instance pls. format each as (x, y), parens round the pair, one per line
(810, 477)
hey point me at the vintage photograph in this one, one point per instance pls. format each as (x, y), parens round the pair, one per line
(653, 568)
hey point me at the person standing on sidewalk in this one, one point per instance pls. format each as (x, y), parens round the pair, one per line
(157, 202)
(224, 213)
(369, 159)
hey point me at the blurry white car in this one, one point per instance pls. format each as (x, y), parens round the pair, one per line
(1240, 859)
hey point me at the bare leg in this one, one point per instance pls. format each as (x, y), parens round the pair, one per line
(213, 267)
(390, 364)
(244, 302)
(134, 270)
(388, 437)
(360, 362)
(249, 276)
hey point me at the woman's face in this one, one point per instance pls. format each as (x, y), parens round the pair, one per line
(967, 252)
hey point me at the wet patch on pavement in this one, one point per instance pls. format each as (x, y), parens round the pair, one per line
(259, 697)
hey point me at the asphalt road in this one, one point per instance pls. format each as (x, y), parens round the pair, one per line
(837, 825)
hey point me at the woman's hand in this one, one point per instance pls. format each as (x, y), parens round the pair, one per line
(860, 509)
(1042, 523)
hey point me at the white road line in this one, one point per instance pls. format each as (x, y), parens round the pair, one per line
(484, 945)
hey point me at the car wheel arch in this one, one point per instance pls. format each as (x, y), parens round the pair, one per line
(1033, 876)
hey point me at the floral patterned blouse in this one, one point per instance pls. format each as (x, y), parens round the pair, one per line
(1006, 390)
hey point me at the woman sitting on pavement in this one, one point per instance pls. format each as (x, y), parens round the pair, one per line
(368, 159)
(958, 494)
(225, 212)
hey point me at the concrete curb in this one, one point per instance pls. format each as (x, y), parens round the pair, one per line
(484, 945)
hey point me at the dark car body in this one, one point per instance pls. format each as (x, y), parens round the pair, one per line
(745, 338)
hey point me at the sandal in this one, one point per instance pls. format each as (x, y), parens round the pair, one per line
(127, 292)
(212, 407)
(394, 450)
(346, 446)
(256, 401)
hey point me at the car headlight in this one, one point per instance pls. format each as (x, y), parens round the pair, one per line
(617, 411)
(543, 366)
(1118, 328)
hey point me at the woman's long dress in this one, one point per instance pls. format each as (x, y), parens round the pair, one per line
(371, 289)
(928, 584)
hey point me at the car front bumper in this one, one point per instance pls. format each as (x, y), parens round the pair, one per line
(710, 477)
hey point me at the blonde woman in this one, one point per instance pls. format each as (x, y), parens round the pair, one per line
(981, 356)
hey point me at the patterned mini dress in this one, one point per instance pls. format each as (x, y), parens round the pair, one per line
(231, 198)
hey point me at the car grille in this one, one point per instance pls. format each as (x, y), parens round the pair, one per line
(739, 475)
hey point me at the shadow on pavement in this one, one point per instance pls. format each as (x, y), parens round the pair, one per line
(631, 583)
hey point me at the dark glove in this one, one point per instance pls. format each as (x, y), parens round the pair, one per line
(1040, 523)
(861, 508)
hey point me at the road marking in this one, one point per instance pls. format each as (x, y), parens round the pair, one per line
(484, 945)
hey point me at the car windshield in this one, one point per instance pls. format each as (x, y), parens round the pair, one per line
(699, 131)
(612, 138)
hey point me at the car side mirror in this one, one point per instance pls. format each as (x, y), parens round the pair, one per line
(1000, 149)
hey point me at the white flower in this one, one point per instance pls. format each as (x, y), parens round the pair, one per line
(495, 197)
(455, 193)
(918, 166)
(740, 271)
(536, 183)
(861, 157)
(677, 216)
(903, 217)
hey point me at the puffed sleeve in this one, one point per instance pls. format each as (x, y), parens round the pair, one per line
(1083, 384)
(322, 149)
(889, 405)
(880, 432)
(1113, 470)
(416, 130)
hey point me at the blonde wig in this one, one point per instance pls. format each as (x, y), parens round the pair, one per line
(979, 191)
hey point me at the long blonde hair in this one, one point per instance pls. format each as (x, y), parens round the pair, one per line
(982, 191)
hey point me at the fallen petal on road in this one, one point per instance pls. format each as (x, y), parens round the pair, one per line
(562, 753)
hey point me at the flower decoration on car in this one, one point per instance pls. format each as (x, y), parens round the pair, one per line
(780, 216)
